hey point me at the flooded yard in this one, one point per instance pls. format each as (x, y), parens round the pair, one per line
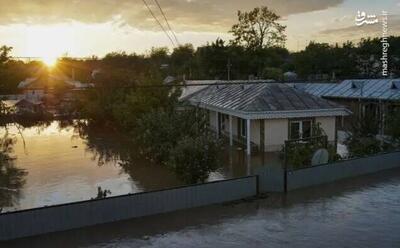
(358, 212)
(64, 163)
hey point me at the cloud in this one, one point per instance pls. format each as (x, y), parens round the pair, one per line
(199, 15)
(355, 33)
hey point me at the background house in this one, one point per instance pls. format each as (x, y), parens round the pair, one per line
(373, 97)
(53, 89)
(24, 106)
(29, 106)
(266, 114)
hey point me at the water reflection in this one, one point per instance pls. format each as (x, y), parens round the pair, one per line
(68, 160)
(12, 179)
(60, 168)
(108, 146)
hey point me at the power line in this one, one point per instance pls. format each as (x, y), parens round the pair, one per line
(219, 83)
(159, 23)
(166, 20)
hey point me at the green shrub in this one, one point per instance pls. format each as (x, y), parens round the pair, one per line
(193, 158)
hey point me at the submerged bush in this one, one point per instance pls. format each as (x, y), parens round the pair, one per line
(363, 146)
(12, 179)
(193, 158)
(179, 139)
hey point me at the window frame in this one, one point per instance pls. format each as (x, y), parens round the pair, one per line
(301, 128)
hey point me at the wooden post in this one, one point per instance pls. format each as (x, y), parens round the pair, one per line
(248, 137)
(285, 165)
(230, 131)
(217, 123)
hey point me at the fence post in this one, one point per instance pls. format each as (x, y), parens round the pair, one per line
(257, 184)
(285, 169)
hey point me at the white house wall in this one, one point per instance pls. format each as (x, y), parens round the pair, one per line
(328, 125)
(276, 132)
(235, 126)
(255, 132)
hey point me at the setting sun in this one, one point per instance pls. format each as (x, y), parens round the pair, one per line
(49, 43)
(49, 61)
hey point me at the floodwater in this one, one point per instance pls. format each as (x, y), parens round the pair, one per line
(359, 212)
(61, 162)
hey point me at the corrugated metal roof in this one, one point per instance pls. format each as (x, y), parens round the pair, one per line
(193, 86)
(316, 89)
(378, 89)
(266, 98)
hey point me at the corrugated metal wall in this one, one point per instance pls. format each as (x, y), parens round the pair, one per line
(342, 169)
(75, 215)
(270, 179)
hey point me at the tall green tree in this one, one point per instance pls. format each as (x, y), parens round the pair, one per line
(5, 54)
(258, 28)
(182, 60)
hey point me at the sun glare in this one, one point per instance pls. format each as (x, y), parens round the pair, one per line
(49, 61)
(49, 42)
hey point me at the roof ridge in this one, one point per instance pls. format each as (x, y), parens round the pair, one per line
(262, 91)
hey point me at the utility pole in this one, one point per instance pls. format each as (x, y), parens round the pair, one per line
(229, 65)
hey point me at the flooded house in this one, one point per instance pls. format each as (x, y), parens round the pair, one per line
(264, 114)
(54, 89)
(29, 106)
(24, 106)
(373, 97)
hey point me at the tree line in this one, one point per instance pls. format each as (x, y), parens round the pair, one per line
(256, 51)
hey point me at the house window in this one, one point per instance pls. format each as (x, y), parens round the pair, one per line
(295, 130)
(300, 129)
(370, 110)
(242, 127)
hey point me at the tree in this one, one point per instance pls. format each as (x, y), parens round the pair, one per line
(393, 126)
(193, 158)
(273, 73)
(212, 60)
(182, 60)
(258, 28)
(157, 140)
(4, 54)
(363, 141)
(12, 179)
(315, 59)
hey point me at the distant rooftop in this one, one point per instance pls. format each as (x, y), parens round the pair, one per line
(376, 89)
(42, 81)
